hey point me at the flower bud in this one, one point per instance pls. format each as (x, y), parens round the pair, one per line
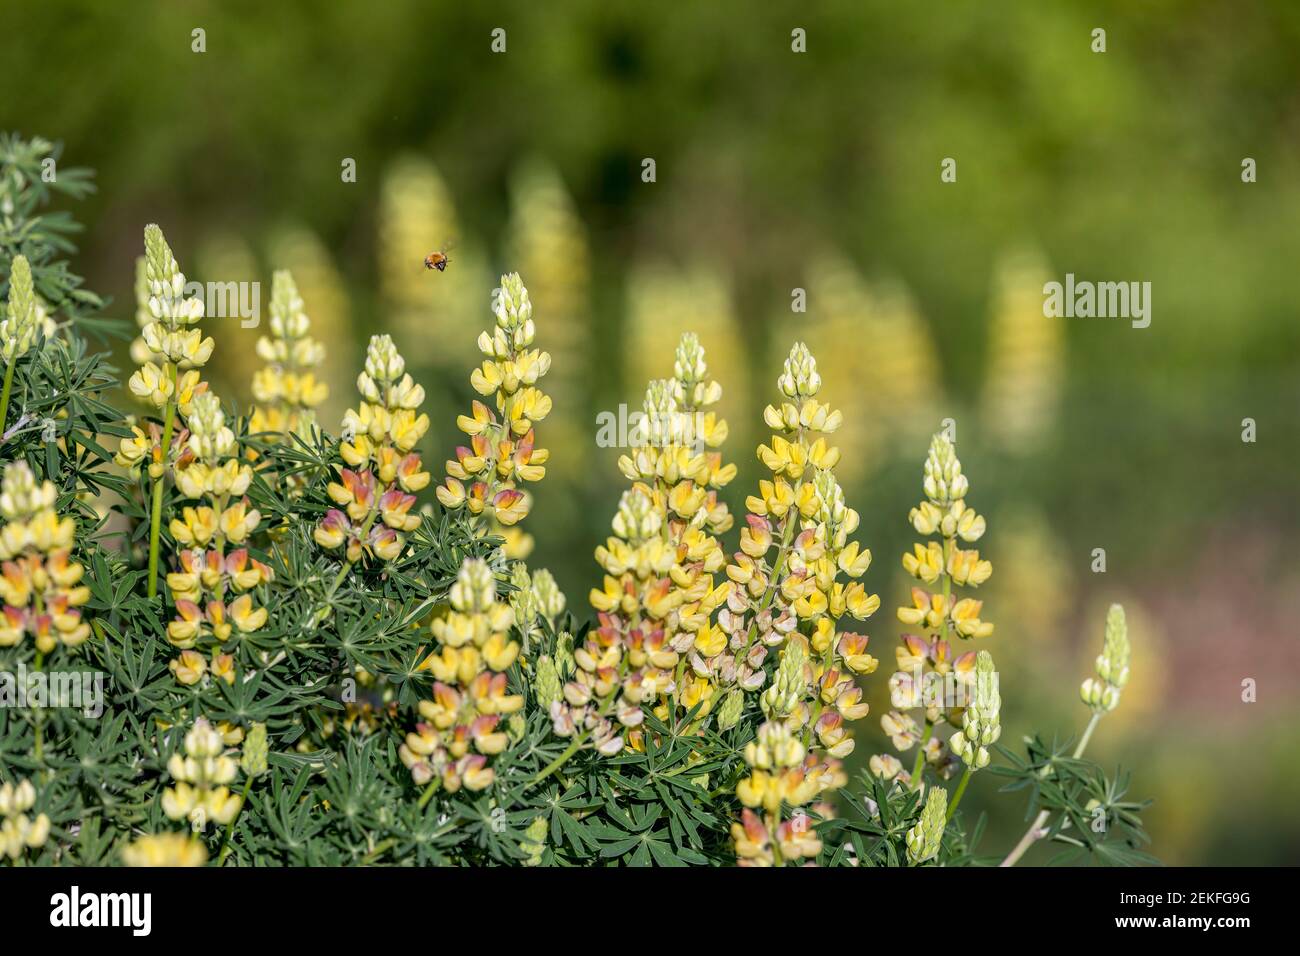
(253, 759)
(926, 837)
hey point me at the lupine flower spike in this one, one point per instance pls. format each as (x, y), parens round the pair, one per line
(201, 793)
(675, 458)
(41, 585)
(173, 349)
(287, 391)
(452, 745)
(485, 476)
(927, 673)
(214, 586)
(795, 600)
(383, 471)
(19, 326)
(625, 661)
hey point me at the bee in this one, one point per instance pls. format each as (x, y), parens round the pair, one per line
(436, 260)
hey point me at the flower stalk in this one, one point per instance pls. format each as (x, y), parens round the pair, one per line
(1101, 694)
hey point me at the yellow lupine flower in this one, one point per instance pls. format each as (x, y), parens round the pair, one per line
(201, 794)
(926, 667)
(925, 562)
(376, 492)
(20, 832)
(460, 731)
(676, 462)
(39, 582)
(484, 476)
(165, 849)
(796, 602)
(286, 390)
(783, 774)
(212, 564)
(189, 666)
(631, 659)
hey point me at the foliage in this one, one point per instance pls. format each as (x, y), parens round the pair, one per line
(303, 664)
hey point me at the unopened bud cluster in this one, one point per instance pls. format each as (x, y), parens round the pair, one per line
(926, 837)
(21, 320)
(536, 598)
(1102, 692)
(981, 724)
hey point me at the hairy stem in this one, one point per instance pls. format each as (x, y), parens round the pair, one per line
(4, 396)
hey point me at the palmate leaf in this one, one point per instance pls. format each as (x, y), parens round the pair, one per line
(1087, 811)
(879, 815)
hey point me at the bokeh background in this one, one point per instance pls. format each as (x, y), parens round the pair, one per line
(820, 171)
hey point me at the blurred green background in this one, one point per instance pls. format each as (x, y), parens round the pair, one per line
(779, 170)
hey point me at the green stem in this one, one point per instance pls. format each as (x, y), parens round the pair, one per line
(347, 565)
(230, 827)
(338, 579)
(562, 759)
(38, 747)
(787, 535)
(4, 396)
(1087, 735)
(382, 847)
(155, 515)
(429, 791)
(920, 755)
(958, 794)
(1035, 831)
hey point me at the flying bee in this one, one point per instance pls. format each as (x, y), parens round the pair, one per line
(436, 260)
